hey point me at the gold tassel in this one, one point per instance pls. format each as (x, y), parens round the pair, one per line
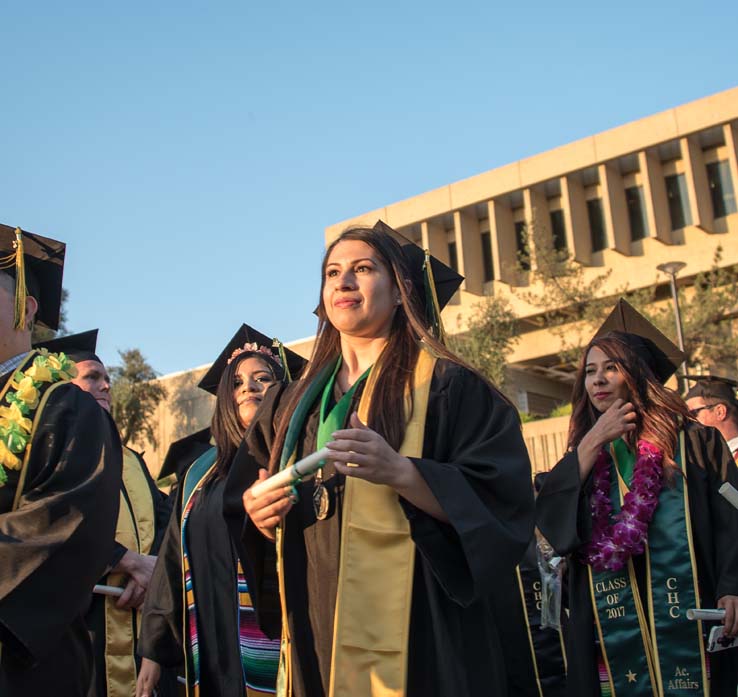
(20, 281)
(432, 296)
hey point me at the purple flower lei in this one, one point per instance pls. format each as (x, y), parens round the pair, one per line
(613, 545)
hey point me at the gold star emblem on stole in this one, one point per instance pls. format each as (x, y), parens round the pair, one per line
(631, 676)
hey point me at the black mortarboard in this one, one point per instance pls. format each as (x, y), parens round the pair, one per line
(183, 452)
(445, 279)
(633, 329)
(79, 347)
(249, 335)
(42, 267)
(713, 387)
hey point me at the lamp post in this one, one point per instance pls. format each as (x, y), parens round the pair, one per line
(671, 269)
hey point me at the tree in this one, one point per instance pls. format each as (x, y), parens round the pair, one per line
(135, 394)
(489, 338)
(708, 311)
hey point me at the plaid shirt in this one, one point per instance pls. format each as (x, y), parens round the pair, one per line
(12, 363)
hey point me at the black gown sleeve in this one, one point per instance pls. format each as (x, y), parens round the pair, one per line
(478, 470)
(161, 638)
(58, 542)
(562, 508)
(713, 455)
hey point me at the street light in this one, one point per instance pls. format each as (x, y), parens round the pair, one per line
(671, 269)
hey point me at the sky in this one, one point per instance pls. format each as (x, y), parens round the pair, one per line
(191, 154)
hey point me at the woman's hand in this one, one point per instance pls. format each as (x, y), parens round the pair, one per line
(148, 678)
(619, 419)
(361, 452)
(730, 604)
(268, 510)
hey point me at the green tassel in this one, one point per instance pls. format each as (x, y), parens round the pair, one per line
(276, 343)
(432, 308)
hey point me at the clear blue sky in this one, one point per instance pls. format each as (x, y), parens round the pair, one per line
(192, 153)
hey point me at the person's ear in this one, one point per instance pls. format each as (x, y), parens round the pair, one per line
(721, 412)
(31, 310)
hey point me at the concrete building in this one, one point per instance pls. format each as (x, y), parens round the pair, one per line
(655, 190)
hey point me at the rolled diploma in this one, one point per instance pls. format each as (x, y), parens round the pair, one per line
(308, 465)
(730, 493)
(108, 590)
(706, 614)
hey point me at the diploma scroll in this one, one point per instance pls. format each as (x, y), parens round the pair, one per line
(729, 492)
(706, 614)
(108, 590)
(290, 475)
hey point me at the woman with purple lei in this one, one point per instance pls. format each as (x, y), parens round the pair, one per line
(635, 504)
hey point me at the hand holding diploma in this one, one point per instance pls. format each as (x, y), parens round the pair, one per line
(269, 505)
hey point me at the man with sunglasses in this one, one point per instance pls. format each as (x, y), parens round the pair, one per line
(712, 401)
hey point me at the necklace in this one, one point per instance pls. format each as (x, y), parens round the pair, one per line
(331, 419)
(613, 544)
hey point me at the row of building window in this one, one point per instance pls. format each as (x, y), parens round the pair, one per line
(722, 196)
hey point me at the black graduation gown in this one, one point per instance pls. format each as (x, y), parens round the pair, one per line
(56, 545)
(475, 463)
(95, 616)
(564, 518)
(213, 564)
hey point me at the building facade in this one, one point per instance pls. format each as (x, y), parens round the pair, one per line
(656, 190)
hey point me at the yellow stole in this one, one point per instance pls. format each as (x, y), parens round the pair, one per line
(135, 531)
(372, 621)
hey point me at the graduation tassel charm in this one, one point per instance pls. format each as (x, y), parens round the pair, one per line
(431, 300)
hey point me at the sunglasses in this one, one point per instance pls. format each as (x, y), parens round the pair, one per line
(693, 412)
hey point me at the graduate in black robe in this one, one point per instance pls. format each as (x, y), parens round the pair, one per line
(143, 517)
(563, 507)
(233, 658)
(472, 469)
(58, 510)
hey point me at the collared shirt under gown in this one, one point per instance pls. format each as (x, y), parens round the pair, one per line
(564, 518)
(475, 463)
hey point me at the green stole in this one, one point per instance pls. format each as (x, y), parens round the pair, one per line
(377, 556)
(637, 659)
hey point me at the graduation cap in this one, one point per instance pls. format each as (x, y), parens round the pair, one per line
(434, 281)
(713, 387)
(79, 347)
(248, 335)
(183, 452)
(37, 265)
(633, 329)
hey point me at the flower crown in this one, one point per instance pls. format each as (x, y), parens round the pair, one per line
(253, 347)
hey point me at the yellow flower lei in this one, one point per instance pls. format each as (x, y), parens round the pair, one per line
(21, 400)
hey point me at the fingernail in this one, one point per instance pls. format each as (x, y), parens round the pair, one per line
(330, 444)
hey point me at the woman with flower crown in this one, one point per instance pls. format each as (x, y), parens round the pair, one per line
(387, 557)
(198, 606)
(635, 504)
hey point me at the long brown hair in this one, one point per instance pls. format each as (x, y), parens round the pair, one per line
(396, 363)
(660, 412)
(226, 427)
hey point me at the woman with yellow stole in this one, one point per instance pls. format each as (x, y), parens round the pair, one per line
(198, 606)
(635, 503)
(387, 557)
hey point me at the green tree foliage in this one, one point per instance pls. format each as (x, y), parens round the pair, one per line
(708, 310)
(135, 394)
(489, 338)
